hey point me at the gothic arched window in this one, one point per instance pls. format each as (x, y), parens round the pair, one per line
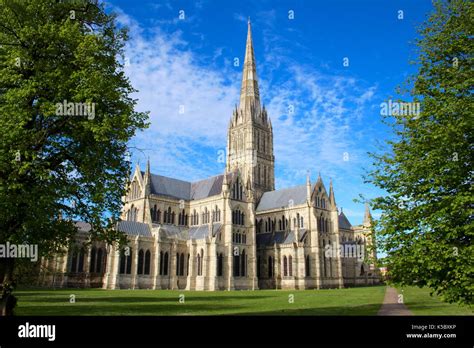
(100, 260)
(220, 265)
(243, 265)
(199, 264)
(290, 266)
(122, 263)
(187, 265)
(147, 262)
(177, 264)
(270, 267)
(181, 265)
(161, 263)
(236, 265)
(80, 265)
(141, 256)
(74, 262)
(128, 269)
(92, 260)
(165, 264)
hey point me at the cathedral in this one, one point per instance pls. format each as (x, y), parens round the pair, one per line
(232, 231)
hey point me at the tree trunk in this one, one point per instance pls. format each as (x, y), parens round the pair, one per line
(7, 300)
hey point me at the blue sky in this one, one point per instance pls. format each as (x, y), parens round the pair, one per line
(189, 64)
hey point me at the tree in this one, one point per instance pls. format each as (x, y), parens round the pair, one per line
(65, 118)
(426, 227)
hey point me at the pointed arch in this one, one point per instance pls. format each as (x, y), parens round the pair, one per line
(147, 262)
(290, 266)
(80, 265)
(270, 267)
(92, 263)
(243, 264)
(181, 264)
(177, 264)
(165, 264)
(161, 263)
(100, 260)
(141, 257)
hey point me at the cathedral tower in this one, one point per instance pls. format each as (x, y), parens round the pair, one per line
(250, 134)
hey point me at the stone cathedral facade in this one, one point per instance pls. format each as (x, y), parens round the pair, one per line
(230, 231)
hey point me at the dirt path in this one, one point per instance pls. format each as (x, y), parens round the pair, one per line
(391, 306)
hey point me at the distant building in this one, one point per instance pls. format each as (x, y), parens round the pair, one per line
(230, 231)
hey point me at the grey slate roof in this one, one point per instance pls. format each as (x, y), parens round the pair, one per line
(282, 198)
(208, 187)
(344, 222)
(188, 233)
(269, 238)
(170, 187)
(198, 232)
(179, 189)
(133, 228)
(171, 231)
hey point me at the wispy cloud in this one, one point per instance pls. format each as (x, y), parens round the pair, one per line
(317, 117)
(240, 17)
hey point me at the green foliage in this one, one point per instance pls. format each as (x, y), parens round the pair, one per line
(48, 55)
(426, 228)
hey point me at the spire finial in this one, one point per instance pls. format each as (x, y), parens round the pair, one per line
(332, 199)
(367, 215)
(248, 20)
(249, 93)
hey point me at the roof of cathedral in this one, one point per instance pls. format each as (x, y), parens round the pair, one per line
(170, 187)
(281, 237)
(180, 189)
(208, 187)
(188, 233)
(282, 198)
(133, 228)
(343, 221)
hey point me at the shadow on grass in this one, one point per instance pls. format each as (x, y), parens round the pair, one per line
(369, 310)
(33, 298)
(164, 309)
(197, 310)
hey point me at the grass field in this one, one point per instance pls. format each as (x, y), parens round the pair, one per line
(420, 302)
(353, 301)
(357, 301)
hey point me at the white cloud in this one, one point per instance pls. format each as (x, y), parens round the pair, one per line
(168, 74)
(319, 132)
(190, 105)
(240, 17)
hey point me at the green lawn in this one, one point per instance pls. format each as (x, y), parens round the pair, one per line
(355, 301)
(420, 302)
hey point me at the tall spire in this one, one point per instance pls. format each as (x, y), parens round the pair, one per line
(308, 186)
(332, 199)
(147, 178)
(249, 94)
(367, 215)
